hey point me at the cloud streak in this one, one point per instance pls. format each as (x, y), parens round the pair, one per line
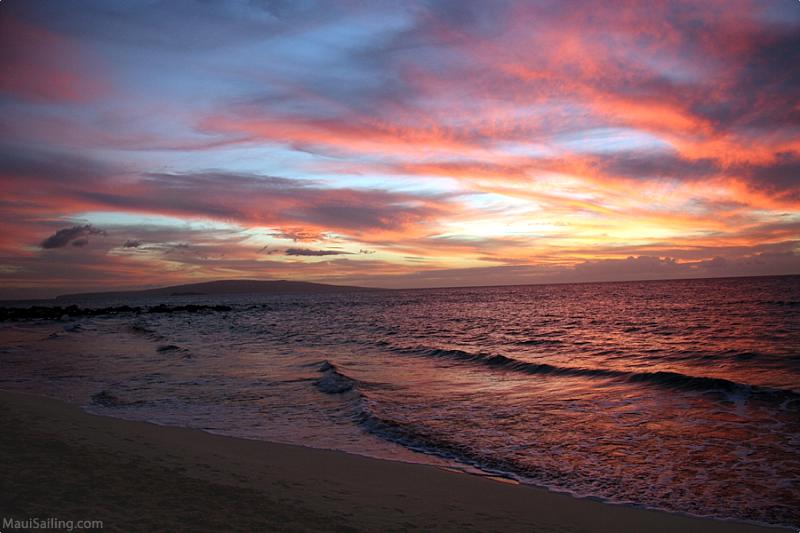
(305, 252)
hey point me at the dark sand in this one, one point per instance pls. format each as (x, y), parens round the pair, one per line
(61, 462)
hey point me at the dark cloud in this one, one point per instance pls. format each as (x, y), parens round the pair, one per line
(314, 253)
(298, 234)
(781, 175)
(62, 168)
(268, 200)
(77, 235)
(656, 165)
(131, 243)
(180, 247)
(762, 94)
(298, 205)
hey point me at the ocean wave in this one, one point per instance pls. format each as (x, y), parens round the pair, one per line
(539, 342)
(333, 381)
(660, 378)
(418, 436)
(413, 437)
(419, 439)
(38, 312)
(107, 399)
(784, 302)
(173, 348)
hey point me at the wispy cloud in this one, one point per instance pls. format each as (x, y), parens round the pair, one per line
(314, 253)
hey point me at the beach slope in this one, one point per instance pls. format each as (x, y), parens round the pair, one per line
(63, 463)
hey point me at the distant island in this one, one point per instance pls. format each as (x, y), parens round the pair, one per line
(242, 286)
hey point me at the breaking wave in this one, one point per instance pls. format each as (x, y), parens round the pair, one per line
(661, 378)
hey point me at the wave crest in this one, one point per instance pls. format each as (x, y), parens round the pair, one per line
(333, 381)
(661, 378)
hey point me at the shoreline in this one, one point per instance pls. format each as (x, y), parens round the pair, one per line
(140, 475)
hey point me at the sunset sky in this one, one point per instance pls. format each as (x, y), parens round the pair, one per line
(396, 144)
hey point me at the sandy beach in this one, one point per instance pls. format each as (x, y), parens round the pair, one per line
(63, 463)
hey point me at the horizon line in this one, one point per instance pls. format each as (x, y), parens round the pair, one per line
(587, 282)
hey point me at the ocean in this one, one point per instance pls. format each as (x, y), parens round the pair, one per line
(675, 395)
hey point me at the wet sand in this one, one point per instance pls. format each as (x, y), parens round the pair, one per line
(61, 462)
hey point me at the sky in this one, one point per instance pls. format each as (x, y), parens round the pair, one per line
(396, 144)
